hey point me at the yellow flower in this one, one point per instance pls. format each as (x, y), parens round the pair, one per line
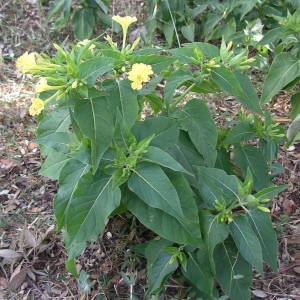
(125, 22)
(43, 86)
(37, 105)
(139, 73)
(26, 63)
(85, 42)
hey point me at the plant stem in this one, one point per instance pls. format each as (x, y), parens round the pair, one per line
(179, 98)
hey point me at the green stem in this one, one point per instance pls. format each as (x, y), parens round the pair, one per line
(181, 97)
(124, 39)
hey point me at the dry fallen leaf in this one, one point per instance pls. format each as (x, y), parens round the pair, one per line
(17, 277)
(10, 254)
(297, 270)
(9, 208)
(27, 239)
(6, 164)
(3, 283)
(32, 146)
(259, 294)
(288, 206)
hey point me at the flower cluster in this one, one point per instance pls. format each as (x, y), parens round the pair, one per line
(139, 74)
(47, 70)
(61, 74)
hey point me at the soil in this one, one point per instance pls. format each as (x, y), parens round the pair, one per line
(33, 254)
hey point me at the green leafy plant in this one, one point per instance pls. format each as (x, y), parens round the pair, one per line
(240, 20)
(203, 188)
(83, 15)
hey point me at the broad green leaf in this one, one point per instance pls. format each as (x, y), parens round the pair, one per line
(241, 132)
(188, 204)
(272, 36)
(196, 120)
(59, 141)
(213, 233)
(207, 49)
(102, 5)
(224, 162)
(185, 55)
(188, 31)
(190, 50)
(187, 155)
(154, 248)
(82, 153)
(83, 23)
(168, 30)
(122, 96)
(247, 242)
(205, 87)
(249, 156)
(89, 209)
(160, 222)
(96, 122)
(62, 6)
(249, 97)
(158, 266)
(215, 184)
(165, 131)
(227, 81)
(198, 271)
(158, 62)
(152, 185)
(91, 69)
(158, 156)
(184, 230)
(155, 102)
(262, 226)
(233, 273)
(53, 164)
(71, 267)
(159, 269)
(284, 69)
(57, 121)
(211, 22)
(147, 51)
(295, 102)
(68, 181)
(293, 130)
(177, 78)
(270, 192)
(239, 85)
(269, 149)
(245, 7)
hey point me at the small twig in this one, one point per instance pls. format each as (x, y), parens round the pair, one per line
(4, 272)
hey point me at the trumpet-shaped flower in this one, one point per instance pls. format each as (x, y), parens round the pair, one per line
(125, 22)
(37, 105)
(139, 74)
(26, 63)
(43, 86)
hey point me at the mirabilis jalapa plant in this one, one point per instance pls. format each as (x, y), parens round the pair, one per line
(172, 169)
